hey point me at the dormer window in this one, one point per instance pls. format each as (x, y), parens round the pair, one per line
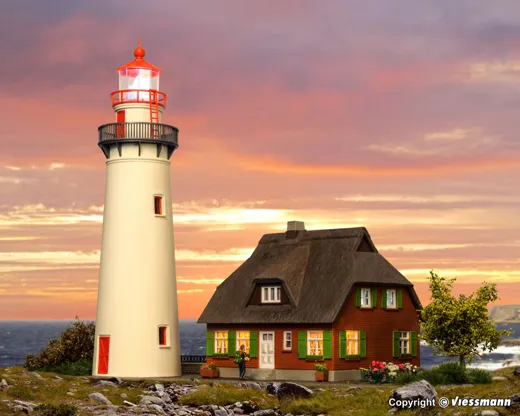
(271, 294)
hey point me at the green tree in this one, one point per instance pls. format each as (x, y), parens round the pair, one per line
(75, 343)
(460, 327)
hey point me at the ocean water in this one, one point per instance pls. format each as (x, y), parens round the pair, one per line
(18, 338)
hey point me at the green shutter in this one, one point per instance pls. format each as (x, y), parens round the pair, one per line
(374, 298)
(232, 343)
(400, 298)
(210, 344)
(342, 344)
(413, 340)
(395, 344)
(327, 345)
(253, 344)
(358, 297)
(362, 344)
(302, 344)
(383, 299)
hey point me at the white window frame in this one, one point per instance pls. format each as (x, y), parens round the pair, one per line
(287, 338)
(314, 339)
(272, 294)
(355, 339)
(246, 340)
(223, 340)
(394, 306)
(404, 342)
(365, 290)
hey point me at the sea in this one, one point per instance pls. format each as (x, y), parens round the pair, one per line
(18, 338)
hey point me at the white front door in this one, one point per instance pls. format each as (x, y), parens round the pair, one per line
(266, 349)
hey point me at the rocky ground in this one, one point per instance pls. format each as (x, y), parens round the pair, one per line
(21, 392)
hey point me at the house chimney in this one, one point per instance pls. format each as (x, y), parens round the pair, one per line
(295, 226)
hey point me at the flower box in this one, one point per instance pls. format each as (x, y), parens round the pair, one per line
(208, 372)
(322, 375)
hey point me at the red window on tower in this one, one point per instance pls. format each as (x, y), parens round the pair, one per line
(162, 336)
(158, 204)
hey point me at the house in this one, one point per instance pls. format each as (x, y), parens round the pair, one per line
(307, 296)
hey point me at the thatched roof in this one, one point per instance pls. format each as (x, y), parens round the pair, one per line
(317, 270)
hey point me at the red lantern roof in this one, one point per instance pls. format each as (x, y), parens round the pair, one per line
(139, 62)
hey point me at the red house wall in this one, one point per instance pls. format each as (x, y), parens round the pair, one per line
(378, 323)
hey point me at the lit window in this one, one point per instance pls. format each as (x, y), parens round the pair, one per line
(315, 343)
(271, 294)
(162, 336)
(352, 342)
(390, 298)
(243, 338)
(366, 301)
(404, 342)
(158, 204)
(287, 340)
(221, 342)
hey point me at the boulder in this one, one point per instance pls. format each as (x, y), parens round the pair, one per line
(151, 400)
(21, 409)
(420, 390)
(288, 389)
(129, 404)
(3, 384)
(33, 374)
(517, 371)
(158, 409)
(99, 399)
(487, 413)
(499, 378)
(268, 412)
(515, 400)
(106, 383)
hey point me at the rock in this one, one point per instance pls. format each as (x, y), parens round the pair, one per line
(288, 389)
(420, 390)
(515, 400)
(499, 378)
(487, 413)
(57, 378)
(33, 374)
(158, 409)
(124, 396)
(29, 405)
(127, 403)
(21, 409)
(150, 400)
(106, 383)
(268, 412)
(98, 398)
(517, 371)
(159, 387)
(116, 380)
(3, 384)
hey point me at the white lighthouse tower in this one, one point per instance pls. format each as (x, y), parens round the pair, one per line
(137, 333)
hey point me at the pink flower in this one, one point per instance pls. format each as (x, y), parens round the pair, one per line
(401, 366)
(373, 363)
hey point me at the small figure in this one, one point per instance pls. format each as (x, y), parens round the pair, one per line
(240, 359)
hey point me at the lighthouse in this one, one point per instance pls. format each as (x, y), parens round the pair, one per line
(137, 325)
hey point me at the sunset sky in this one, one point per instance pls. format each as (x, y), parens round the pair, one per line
(402, 116)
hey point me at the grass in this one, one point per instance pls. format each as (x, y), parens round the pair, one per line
(369, 401)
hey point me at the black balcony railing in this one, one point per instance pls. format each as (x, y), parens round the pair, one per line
(138, 132)
(193, 358)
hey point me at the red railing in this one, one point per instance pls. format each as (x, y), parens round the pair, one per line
(138, 96)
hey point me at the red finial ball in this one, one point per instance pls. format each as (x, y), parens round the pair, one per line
(139, 51)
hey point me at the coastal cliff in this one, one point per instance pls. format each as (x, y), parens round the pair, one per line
(505, 313)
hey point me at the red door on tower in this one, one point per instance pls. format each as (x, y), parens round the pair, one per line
(120, 128)
(103, 350)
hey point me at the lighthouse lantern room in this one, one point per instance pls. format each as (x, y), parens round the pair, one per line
(137, 331)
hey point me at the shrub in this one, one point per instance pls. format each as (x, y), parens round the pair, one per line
(209, 367)
(381, 372)
(56, 410)
(76, 344)
(433, 377)
(454, 372)
(479, 376)
(321, 367)
(406, 378)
